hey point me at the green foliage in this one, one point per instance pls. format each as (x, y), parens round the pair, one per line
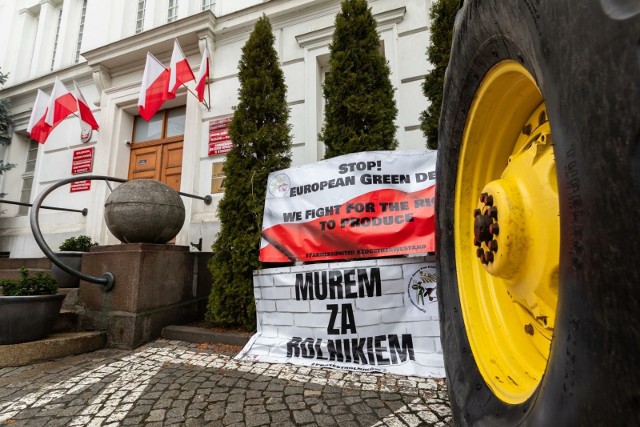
(6, 125)
(442, 15)
(262, 144)
(79, 244)
(39, 284)
(360, 110)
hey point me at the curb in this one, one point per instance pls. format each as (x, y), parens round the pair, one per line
(55, 346)
(201, 335)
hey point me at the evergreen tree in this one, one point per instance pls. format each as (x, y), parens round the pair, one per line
(360, 110)
(262, 144)
(6, 125)
(443, 15)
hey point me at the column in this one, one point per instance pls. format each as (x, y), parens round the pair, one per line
(43, 47)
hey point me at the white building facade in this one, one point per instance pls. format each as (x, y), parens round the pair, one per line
(102, 45)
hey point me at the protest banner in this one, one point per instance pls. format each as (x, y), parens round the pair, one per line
(374, 315)
(361, 205)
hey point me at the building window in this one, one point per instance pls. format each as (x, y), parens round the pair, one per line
(27, 177)
(165, 124)
(83, 14)
(208, 4)
(140, 16)
(172, 12)
(55, 41)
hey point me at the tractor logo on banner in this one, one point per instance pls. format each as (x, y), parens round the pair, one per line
(422, 288)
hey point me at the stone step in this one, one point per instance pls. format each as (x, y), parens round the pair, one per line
(15, 263)
(14, 273)
(55, 346)
(67, 321)
(202, 335)
(71, 300)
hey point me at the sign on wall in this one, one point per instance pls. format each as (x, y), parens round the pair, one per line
(82, 161)
(78, 186)
(219, 139)
(374, 315)
(361, 205)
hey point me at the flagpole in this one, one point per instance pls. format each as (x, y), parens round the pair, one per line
(194, 94)
(206, 46)
(208, 94)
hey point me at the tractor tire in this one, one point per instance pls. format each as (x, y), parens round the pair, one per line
(539, 284)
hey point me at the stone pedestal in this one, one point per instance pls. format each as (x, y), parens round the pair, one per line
(155, 286)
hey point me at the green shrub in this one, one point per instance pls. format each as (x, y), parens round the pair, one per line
(360, 111)
(442, 15)
(261, 144)
(78, 244)
(38, 284)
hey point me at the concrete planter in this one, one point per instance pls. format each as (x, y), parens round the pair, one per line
(74, 260)
(27, 318)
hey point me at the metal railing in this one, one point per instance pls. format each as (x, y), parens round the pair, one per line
(107, 280)
(84, 211)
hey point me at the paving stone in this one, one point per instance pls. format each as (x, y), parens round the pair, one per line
(257, 419)
(156, 415)
(302, 417)
(280, 416)
(233, 417)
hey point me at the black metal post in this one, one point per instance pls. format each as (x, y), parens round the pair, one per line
(53, 208)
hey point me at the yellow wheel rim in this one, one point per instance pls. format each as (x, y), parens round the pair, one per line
(507, 232)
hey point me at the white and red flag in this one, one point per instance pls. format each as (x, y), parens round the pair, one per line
(86, 116)
(180, 70)
(155, 88)
(61, 104)
(203, 75)
(37, 128)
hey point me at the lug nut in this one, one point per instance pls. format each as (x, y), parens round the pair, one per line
(488, 257)
(476, 242)
(482, 197)
(527, 129)
(528, 328)
(494, 229)
(479, 253)
(488, 200)
(476, 212)
(493, 212)
(493, 245)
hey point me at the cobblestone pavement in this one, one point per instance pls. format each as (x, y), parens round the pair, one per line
(176, 383)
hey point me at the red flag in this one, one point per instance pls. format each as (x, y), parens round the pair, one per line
(61, 104)
(37, 128)
(203, 75)
(180, 70)
(155, 86)
(86, 115)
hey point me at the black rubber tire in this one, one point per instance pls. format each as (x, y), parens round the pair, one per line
(585, 57)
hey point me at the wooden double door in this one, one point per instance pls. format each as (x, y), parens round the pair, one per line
(160, 161)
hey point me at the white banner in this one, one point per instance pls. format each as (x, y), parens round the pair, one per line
(374, 315)
(361, 205)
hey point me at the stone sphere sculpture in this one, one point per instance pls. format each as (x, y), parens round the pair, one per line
(144, 211)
